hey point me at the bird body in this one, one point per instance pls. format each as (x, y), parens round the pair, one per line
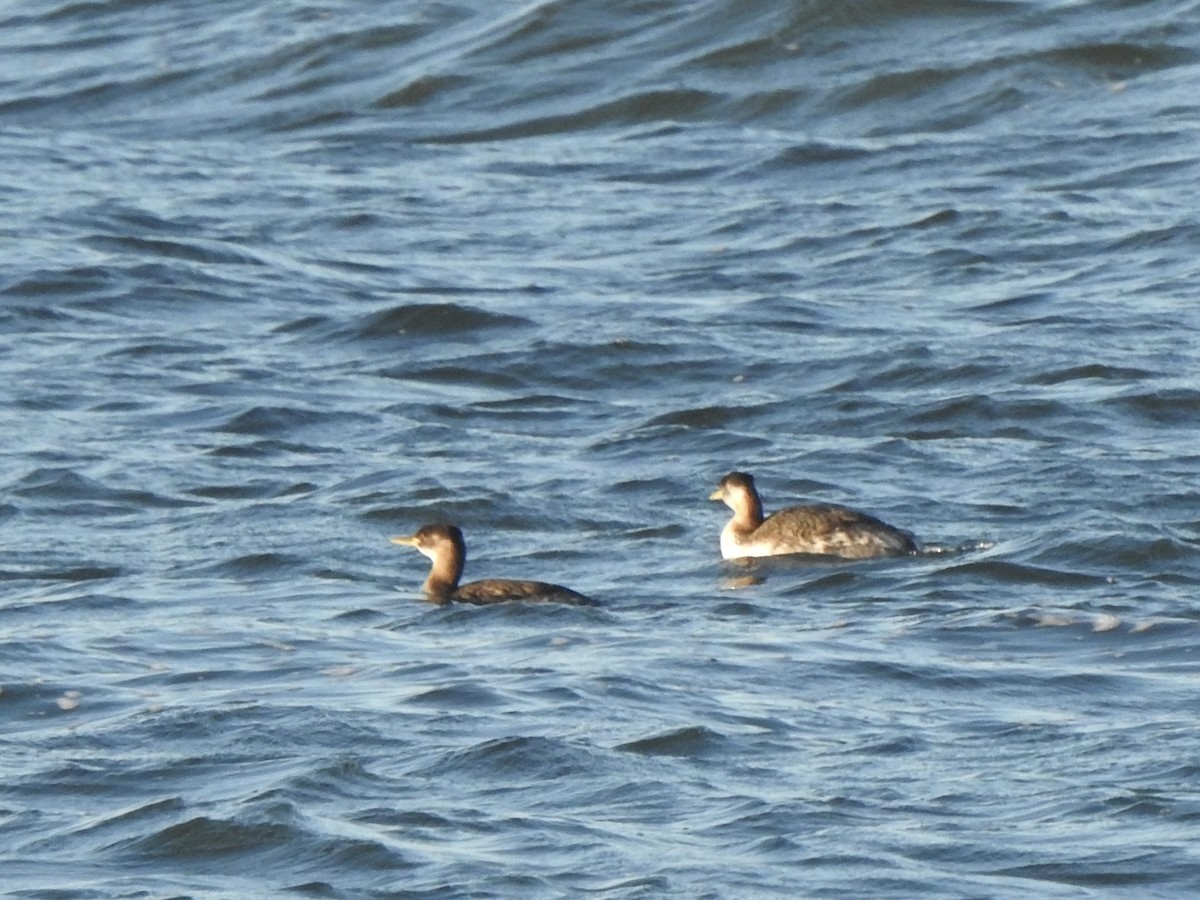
(819, 529)
(444, 545)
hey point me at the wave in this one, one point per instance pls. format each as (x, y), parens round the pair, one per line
(478, 72)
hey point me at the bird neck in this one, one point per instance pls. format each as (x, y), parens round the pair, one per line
(748, 514)
(444, 575)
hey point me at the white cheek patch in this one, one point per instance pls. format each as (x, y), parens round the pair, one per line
(427, 551)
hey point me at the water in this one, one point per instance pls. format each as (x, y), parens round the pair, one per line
(283, 280)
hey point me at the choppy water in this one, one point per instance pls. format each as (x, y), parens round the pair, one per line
(281, 280)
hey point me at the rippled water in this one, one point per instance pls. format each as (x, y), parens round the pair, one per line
(282, 280)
